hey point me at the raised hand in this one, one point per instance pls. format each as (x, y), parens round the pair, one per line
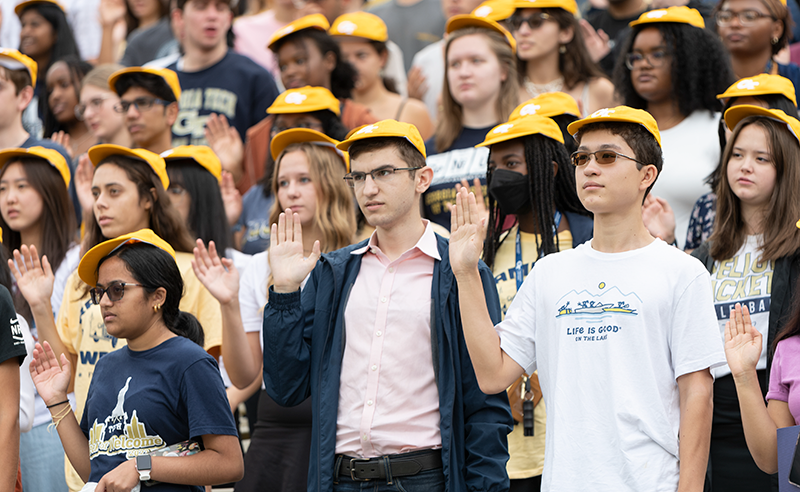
(417, 85)
(34, 278)
(742, 342)
(231, 198)
(659, 218)
(111, 12)
(483, 212)
(287, 261)
(50, 378)
(467, 232)
(596, 41)
(226, 142)
(83, 183)
(218, 275)
(62, 139)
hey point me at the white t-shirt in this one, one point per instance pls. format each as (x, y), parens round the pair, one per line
(610, 334)
(745, 280)
(691, 153)
(430, 60)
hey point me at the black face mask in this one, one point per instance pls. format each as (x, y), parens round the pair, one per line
(511, 191)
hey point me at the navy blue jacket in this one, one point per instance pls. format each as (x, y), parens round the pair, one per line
(304, 341)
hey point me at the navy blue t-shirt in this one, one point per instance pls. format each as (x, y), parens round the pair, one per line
(255, 220)
(141, 401)
(236, 86)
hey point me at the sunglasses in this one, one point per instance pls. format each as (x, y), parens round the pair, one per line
(601, 156)
(115, 291)
(534, 21)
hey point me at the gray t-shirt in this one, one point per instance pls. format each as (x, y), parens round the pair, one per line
(412, 27)
(145, 45)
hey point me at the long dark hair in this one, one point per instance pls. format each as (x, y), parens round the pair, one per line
(57, 219)
(207, 219)
(343, 76)
(548, 193)
(77, 69)
(152, 267)
(64, 44)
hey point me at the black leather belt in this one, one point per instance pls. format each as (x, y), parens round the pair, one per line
(400, 465)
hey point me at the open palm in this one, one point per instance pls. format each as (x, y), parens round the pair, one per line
(218, 275)
(50, 378)
(742, 342)
(287, 261)
(34, 278)
(467, 232)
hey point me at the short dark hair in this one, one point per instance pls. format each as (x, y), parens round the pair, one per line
(408, 153)
(152, 83)
(21, 78)
(644, 145)
(180, 4)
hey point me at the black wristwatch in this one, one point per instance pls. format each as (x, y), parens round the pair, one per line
(143, 465)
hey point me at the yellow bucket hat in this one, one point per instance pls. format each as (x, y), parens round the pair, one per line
(522, 127)
(621, 114)
(87, 268)
(14, 60)
(304, 100)
(760, 85)
(52, 156)
(361, 25)
(156, 163)
(201, 154)
(313, 21)
(681, 15)
(170, 77)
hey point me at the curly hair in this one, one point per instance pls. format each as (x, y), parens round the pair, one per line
(701, 68)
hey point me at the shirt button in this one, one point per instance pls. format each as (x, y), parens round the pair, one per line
(374, 368)
(365, 437)
(383, 299)
(379, 333)
(369, 402)
(391, 269)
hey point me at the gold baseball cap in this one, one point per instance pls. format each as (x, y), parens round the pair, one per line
(469, 20)
(549, 104)
(760, 85)
(99, 152)
(681, 15)
(620, 114)
(313, 21)
(737, 113)
(569, 5)
(304, 100)
(361, 25)
(170, 77)
(14, 60)
(496, 10)
(299, 135)
(522, 127)
(201, 154)
(52, 156)
(87, 268)
(385, 128)
(24, 5)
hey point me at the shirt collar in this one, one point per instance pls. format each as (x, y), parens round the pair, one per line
(427, 244)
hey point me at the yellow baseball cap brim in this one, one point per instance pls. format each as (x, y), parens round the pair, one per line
(468, 20)
(569, 5)
(24, 5)
(201, 154)
(681, 15)
(381, 129)
(360, 25)
(549, 104)
(305, 100)
(619, 114)
(14, 60)
(496, 10)
(299, 135)
(169, 77)
(52, 156)
(100, 152)
(313, 21)
(522, 127)
(737, 113)
(760, 85)
(87, 268)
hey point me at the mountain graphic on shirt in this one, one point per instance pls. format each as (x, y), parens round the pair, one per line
(590, 306)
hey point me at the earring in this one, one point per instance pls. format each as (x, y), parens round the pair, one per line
(156, 308)
(775, 40)
(562, 49)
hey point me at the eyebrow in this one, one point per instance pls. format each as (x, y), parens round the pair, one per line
(611, 146)
(736, 147)
(385, 166)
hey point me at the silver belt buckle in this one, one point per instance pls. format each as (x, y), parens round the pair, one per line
(353, 462)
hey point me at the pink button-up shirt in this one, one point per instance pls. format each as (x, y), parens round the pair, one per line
(388, 399)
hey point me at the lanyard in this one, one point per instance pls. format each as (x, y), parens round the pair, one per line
(518, 249)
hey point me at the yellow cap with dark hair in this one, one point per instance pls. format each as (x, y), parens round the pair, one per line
(360, 25)
(549, 104)
(24, 5)
(304, 100)
(52, 156)
(87, 268)
(169, 77)
(496, 10)
(568, 5)
(760, 85)
(313, 21)
(99, 152)
(620, 114)
(385, 128)
(469, 20)
(680, 15)
(14, 60)
(737, 113)
(522, 127)
(201, 154)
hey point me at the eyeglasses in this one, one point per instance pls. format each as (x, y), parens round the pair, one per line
(140, 103)
(746, 17)
(601, 156)
(115, 291)
(655, 58)
(380, 175)
(534, 21)
(95, 103)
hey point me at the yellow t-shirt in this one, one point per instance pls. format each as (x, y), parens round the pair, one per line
(81, 328)
(526, 453)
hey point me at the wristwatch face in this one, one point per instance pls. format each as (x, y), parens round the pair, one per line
(143, 462)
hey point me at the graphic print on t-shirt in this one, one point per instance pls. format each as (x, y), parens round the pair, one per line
(596, 316)
(742, 279)
(119, 434)
(189, 128)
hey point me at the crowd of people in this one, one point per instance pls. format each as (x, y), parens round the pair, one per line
(407, 245)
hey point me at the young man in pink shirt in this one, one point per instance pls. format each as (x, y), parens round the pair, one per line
(375, 338)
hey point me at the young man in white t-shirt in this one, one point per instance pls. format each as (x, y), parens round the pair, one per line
(622, 329)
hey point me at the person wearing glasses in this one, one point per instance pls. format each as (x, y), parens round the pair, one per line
(129, 191)
(149, 100)
(623, 358)
(672, 67)
(754, 31)
(752, 256)
(96, 108)
(158, 389)
(375, 339)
